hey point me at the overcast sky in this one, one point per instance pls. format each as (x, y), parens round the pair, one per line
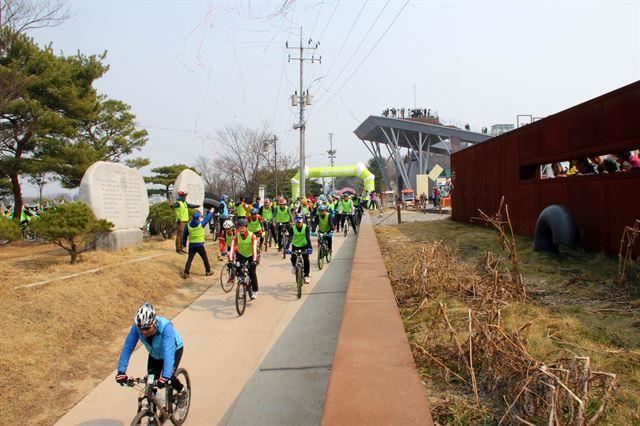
(190, 68)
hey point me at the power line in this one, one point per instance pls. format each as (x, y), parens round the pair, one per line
(329, 21)
(365, 58)
(346, 39)
(353, 55)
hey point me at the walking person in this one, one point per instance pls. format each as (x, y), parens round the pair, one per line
(182, 217)
(195, 232)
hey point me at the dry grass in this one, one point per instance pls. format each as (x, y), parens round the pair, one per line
(468, 323)
(59, 340)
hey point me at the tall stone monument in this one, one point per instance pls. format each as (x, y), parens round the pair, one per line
(191, 183)
(118, 194)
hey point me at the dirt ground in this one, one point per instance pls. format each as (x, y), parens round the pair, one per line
(573, 297)
(60, 339)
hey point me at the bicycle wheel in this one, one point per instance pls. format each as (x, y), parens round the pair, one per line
(225, 275)
(241, 298)
(178, 414)
(346, 229)
(327, 255)
(299, 280)
(144, 418)
(320, 256)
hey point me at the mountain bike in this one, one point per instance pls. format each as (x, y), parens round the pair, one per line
(299, 271)
(283, 232)
(268, 238)
(152, 410)
(323, 249)
(227, 277)
(244, 286)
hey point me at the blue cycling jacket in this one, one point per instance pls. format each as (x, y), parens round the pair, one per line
(162, 345)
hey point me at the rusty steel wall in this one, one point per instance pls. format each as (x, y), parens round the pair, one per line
(602, 204)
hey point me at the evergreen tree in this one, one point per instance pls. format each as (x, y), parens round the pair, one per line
(166, 176)
(72, 226)
(54, 95)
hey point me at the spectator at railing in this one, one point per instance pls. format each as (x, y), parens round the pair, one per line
(585, 167)
(605, 164)
(627, 161)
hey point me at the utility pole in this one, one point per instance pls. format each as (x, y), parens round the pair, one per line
(302, 100)
(266, 144)
(332, 156)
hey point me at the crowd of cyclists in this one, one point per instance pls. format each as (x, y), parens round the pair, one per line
(241, 228)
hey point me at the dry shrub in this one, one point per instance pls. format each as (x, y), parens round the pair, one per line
(473, 347)
(629, 269)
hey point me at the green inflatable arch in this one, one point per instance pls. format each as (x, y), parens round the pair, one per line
(357, 170)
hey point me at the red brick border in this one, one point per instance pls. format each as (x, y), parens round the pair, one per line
(373, 379)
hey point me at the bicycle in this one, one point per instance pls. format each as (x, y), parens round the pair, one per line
(268, 237)
(323, 250)
(227, 277)
(152, 410)
(299, 271)
(283, 232)
(346, 225)
(243, 288)
(27, 234)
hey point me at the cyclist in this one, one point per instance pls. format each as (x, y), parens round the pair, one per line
(283, 221)
(223, 209)
(226, 238)
(347, 211)
(255, 225)
(244, 248)
(266, 211)
(241, 209)
(165, 347)
(325, 225)
(300, 240)
(195, 232)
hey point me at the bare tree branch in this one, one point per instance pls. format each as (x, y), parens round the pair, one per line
(25, 15)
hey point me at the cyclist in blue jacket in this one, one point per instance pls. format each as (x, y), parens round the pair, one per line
(164, 345)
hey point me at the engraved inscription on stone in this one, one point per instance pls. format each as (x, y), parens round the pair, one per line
(116, 193)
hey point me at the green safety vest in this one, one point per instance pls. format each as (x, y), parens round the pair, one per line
(228, 239)
(196, 235)
(356, 202)
(254, 226)
(182, 212)
(323, 223)
(267, 214)
(347, 206)
(245, 245)
(304, 210)
(282, 216)
(299, 236)
(241, 211)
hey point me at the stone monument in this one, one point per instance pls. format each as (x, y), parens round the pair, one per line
(118, 194)
(191, 183)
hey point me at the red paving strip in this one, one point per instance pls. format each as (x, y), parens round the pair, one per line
(373, 378)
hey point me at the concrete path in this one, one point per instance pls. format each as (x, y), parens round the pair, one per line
(270, 366)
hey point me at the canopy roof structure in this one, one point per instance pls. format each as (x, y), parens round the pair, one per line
(402, 137)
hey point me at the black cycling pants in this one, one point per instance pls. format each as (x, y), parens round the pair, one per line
(253, 276)
(155, 366)
(305, 258)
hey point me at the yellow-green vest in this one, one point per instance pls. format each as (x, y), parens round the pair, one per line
(241, 211)
(323, 223)
(196, 234)
(299, 236)
(245, 245)
(254, 226)
(182, 211)
(283, 216)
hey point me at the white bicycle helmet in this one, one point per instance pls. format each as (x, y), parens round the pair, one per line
(227, 224)
(146, 316)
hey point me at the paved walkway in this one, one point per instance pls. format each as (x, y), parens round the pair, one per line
(270, 366)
